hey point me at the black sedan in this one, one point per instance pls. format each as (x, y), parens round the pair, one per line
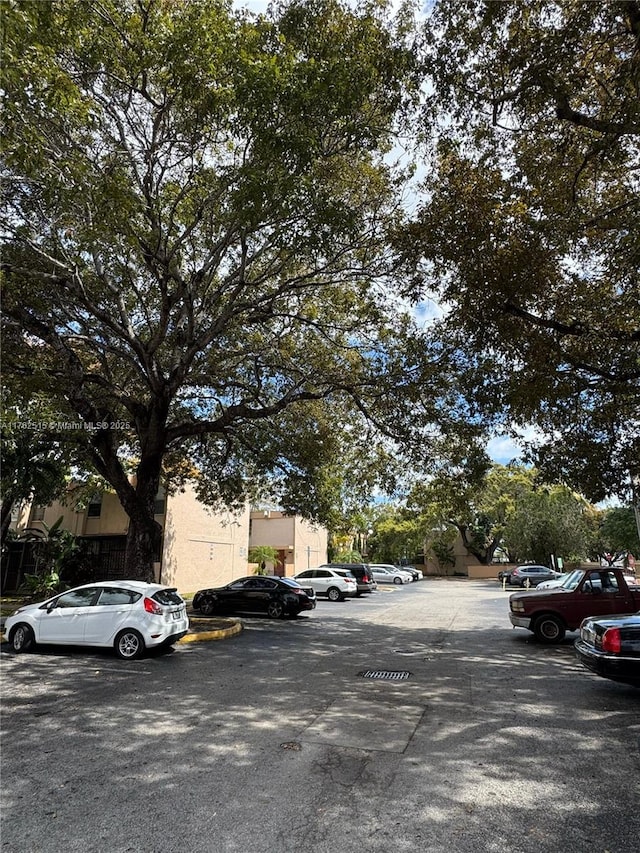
(610, 647)
(276, 597)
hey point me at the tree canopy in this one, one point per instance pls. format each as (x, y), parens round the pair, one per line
(196, 262)
(195, 259)
(35, 465)
(617, 534)
(528, 228)
(512, 509)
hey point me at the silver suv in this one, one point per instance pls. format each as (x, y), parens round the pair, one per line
(335, 585)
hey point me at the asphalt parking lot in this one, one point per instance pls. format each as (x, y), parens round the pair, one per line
(276, 739)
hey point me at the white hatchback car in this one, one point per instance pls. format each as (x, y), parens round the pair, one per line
(129, 616)
(336, 585)
(384, 574)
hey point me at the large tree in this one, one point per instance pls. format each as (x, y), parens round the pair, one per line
(550, 521)
(196, 203)
(528, 231)
(509, 507)
(475, 499)
(617, 534)
(34, 466)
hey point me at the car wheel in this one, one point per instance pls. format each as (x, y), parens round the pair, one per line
(22, 638)
(207, 606)
(549, 629)
(397, 580)
(129, 644)
(275, 609)
(334, 594)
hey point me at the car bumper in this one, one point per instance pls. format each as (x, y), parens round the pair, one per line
(520, 621)
(169, 641)
(162, 633)
(615, 667)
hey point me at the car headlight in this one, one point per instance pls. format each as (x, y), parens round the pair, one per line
(517, 606)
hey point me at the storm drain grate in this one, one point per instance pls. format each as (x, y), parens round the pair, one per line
(386, 674)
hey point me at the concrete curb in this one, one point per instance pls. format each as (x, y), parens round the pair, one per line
(233, 627)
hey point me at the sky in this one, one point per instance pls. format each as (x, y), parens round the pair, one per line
(503, 450)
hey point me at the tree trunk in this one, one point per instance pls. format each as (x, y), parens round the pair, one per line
(144, 537)
(144, 548)
(479, 553)
(7, 507)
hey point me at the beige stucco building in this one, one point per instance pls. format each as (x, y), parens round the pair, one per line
(300, 544)
(200, 547)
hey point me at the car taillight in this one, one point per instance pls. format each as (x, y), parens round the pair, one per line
(151, 607)
(298, 591)
(365, 578)
(611, 641)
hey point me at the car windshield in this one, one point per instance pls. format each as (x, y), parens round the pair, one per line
(289, 581)
(572, 580)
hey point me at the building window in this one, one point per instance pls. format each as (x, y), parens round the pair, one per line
(160, 502)
(37, 514)
(95, 507)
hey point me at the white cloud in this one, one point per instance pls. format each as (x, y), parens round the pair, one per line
(504, 449)
(256, 6)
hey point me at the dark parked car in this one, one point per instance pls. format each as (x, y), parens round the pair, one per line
(532, 575)
(416, 574)
(276, 597)
(361, 572)
(610, 647)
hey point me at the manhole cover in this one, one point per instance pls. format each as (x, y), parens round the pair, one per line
(386, 674)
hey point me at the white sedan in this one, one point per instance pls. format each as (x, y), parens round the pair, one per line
(127, 616)
(390, 574)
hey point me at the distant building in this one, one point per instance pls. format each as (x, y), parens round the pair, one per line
(299, 543)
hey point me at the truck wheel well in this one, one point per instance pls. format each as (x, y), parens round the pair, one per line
(539, 613)
(549, 627)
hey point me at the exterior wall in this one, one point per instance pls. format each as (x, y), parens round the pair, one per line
(465, 564)
(311, 545)
(202, 548)
(302, 544)
(476, 570)
(112, 519)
